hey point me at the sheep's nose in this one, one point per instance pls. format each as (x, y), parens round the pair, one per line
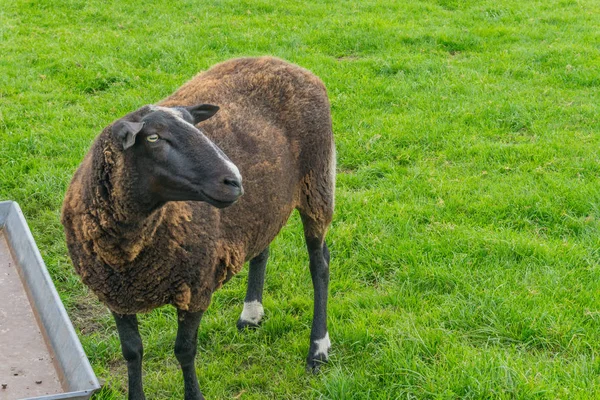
(235, 184)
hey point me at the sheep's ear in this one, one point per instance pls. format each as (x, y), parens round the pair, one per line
(126, 131)
(202, 112)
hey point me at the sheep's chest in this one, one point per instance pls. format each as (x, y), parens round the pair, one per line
(159, 275)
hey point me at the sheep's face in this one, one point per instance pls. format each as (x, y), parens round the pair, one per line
(172, 160)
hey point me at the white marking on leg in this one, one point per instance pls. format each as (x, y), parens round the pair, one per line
(253, 312)
(323, 345)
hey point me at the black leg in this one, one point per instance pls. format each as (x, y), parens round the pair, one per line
(253, 309)
(133, 351)
(185, 351)
(326, 253)
(319, 270)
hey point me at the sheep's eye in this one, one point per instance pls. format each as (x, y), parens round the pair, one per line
(152, 138)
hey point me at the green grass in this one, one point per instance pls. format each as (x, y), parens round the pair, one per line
(466, 235)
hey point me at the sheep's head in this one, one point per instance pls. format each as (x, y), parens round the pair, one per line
(170, 159)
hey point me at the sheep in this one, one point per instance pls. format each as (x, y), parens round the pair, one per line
(155, 214)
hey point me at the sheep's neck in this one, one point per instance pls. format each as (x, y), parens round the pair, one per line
(122, 237)
(126, 225)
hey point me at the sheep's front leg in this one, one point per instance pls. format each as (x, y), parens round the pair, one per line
(185, 351)
(253, 309)
(133, 351)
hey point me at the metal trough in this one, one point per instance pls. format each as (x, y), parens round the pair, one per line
(40, 354)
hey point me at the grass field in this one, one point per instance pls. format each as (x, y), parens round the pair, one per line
(466, 235)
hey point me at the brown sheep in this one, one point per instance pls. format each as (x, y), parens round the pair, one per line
(152, 215)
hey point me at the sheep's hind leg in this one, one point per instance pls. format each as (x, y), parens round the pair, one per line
(133, 352)
(253, 309)
(185, 351)
(319, 269)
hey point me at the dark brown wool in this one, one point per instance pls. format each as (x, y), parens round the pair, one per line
(274, 124)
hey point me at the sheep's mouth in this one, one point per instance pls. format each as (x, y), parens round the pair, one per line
(216, 202)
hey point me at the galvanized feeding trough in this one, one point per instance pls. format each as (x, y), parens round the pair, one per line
(40, 354)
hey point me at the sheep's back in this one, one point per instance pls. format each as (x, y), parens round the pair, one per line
(273, 117)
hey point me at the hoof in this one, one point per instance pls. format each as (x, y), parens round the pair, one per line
(314, 363)
(193, 396)
(243, 324)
